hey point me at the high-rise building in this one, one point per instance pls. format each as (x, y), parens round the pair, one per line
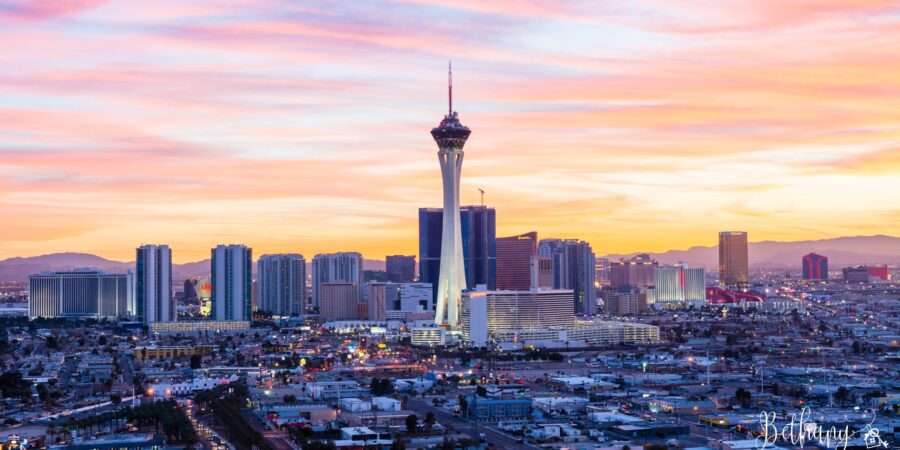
(479, 236)
(81, 293)
(190, 289)
(344, 267)
(400, 268)
(629, 302)
(815, 267)
(339, 301)
(638, 271)
(516, 257)
(231, 282)
(487, 312)
(678, 286)
(603, 269)
(153, 285)
(733, 258)
(281, 281)
(542, 272)
(450, 136)
(573, 268)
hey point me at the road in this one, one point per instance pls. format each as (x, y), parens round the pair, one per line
(461, 425)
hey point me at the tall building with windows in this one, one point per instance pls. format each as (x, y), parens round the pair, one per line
(678, 286)
(479, 243)
(153, 285)
(638, 271)
(398, 300)
(344, 267)
(281, 284)
(232, 282)
(516, 256)
(81, 293)
(815, 267)
(573, 265)
(734, 264)
(400, 268)
(339, 301)
(487, 312)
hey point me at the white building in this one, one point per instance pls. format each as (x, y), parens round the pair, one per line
(281, 283)
(397, 300)
(429, 336)
(678, 286)
(79, 293)
(485, 313)
(154, 301)
(231, 282)
(386, 404)
(343, 267)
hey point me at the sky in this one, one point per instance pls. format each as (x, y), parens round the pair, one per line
(304, 127)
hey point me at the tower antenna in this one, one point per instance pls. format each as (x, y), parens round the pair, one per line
(450, 87)
(482, 196)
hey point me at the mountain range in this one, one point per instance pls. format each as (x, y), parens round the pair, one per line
(18, 269)
(842, 251)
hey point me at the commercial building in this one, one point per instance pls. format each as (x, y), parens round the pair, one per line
(598, 333)
(866, 274)
(638, 271)
(154, 301)
(400, 268)
(281, 281)
(516, 259)
(82, 293)
(478, 241)
(342, 267)
(573, 264)
(231, 282)
(171, 351)
(429, 336)
(339, 301)
(397, 300)
(603, 270)
(200, 326)
(628, 303)
(678, 286)
(815, 267)
(499, 410)
(734, 265)
(485, 312)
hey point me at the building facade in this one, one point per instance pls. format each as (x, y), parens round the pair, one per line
(485, 312)
(678, 286)
(342, 267)
(154, 301)
(398, 300)
(339, 301)
(573, 264)
(400, 268)
(281, 284)
(734, 268)
(815, 267)
(82, 293)
(638, 271)
(232, 283)
(516, 258)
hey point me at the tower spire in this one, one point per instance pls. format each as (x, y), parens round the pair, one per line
(450, 87)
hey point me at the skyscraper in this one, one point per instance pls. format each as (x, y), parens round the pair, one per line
(333, 268)
(516, 256)
(231, 282)
(638, 271)
(339, 301)
(77, 294)
(400, 268)
(815, 267)
(153, 291)
(733, 261)
(450, 136)
(281, 281)
(573, 268)
(479, 236)
(678, 286)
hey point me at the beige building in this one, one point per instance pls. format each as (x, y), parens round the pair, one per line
(338, 301)
(733, 258)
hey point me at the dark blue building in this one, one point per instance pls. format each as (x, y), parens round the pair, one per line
(479, 235)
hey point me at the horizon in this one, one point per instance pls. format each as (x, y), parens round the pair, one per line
(305, 127)
(381, 258)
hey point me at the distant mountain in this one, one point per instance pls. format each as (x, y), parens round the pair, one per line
(841, 252)
(18, 269)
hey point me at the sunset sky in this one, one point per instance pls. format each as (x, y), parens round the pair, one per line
(304, 127)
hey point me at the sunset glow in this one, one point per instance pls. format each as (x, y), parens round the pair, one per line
(304, 127)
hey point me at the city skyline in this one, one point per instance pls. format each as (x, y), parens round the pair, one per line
(200, 124)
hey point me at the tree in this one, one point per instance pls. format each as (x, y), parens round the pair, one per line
(743, 396)
(196, 361)
(463, 404)
(842, 395)
(448, 444)
(429, 420)
(412, 423)
(115, 399)
(398, 445)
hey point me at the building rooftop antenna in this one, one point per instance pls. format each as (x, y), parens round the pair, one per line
(482, 195)
(450, 88)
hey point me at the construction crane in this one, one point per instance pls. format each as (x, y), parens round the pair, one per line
(482, 195)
